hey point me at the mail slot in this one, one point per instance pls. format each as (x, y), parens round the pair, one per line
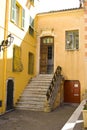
(76, 85)
(76, 94)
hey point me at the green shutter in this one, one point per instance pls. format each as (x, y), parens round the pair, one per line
(32, 2)
(17, 64)
(31, 22)
(23, 18)
(13, 10)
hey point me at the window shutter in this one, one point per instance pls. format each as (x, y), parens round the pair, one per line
(17, 64)
(29, 3)
(31, 26)
(31, 22)
(23, 18)
(13, 10)
(32, 2)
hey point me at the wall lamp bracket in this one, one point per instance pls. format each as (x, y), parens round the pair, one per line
(6, 43)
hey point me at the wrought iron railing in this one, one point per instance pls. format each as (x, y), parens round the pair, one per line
(54, 86)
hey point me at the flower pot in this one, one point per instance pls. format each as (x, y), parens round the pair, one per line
(85, 118)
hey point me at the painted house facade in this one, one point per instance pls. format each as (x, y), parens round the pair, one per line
(52, 39)
(17, 62)
(60, 33)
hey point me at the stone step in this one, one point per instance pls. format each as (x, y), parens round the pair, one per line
(37, 86)
(30, 108)
(42, 77)
(35, 92)
(33, 95)
(39, 83)
(33, 98)
(31, 103)
(35, 89)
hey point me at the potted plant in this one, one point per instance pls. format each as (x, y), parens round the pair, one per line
(85, 115)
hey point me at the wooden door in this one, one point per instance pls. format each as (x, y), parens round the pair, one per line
(46, 55)
(72, 91)
(43, 58)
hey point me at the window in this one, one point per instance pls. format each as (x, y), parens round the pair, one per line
(31, 31)
(13, 10)
(23, 18)
(30, 63)
(49, 52)
(47, 40)
(72, 40)
(17, 14)
(31, 26)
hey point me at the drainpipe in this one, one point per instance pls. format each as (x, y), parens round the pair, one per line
(5, 57)
(85, 44)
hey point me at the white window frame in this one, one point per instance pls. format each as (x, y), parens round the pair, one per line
(72, 40)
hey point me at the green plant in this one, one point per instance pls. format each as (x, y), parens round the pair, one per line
(85, 106)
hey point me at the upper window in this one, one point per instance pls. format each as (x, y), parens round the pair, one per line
(47, 40)
(72, 40)
(31, 26)
(17, 14)
(32, 2)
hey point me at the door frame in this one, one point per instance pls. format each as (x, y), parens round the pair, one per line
(7, 94)
(73, 93)
(47, 44)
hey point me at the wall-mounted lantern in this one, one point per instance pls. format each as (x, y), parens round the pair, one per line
(6, 43)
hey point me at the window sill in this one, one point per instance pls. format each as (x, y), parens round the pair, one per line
(72, 49)
(21, 28)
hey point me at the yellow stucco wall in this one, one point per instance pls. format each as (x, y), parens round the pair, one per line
(72, 62)
(23, 39)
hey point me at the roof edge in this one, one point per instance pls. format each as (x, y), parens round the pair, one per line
(62, 10)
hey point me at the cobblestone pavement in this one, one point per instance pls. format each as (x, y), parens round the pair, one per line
(30, 120)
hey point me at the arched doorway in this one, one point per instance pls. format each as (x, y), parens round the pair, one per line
(9, 98)
(47, 55)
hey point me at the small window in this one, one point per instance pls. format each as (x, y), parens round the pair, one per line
(31, 26)
(17, 14)
(31, 31)
(72, 40)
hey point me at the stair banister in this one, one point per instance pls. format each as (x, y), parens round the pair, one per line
(55, 84)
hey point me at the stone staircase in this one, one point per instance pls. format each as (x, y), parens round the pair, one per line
(34, 95)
